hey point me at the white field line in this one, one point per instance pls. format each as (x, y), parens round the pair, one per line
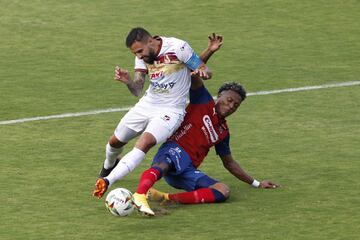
(95, 112)
(306, 88)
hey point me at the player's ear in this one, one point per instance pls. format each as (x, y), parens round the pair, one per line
(150, 40)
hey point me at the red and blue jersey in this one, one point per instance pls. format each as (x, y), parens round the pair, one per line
(202, 128)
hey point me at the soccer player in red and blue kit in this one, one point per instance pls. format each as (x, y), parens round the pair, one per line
(177, 160)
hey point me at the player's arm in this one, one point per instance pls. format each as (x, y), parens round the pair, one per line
(235, 169)
(214, 44)
(135, 86)
(192, 61)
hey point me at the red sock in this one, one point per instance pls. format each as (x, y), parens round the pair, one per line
(147, 180)
(202, 195)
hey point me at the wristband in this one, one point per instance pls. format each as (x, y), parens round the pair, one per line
(255, 183)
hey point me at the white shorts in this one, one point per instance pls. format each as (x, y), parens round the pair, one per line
(159, 121)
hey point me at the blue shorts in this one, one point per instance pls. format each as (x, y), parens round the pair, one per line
(182, 174)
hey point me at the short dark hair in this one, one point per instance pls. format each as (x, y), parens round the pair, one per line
(234, 86)
(137, 34)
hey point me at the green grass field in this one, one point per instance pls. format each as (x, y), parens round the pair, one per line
(59, 56)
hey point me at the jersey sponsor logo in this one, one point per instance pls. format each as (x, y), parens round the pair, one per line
(157, 75)
(183, 131)
(205, 133)
(161, 87)
(164, 66)
(210, 128)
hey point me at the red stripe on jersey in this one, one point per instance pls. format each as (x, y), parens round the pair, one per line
(167, 58)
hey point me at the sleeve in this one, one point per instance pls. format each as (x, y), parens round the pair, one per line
(223, 147)
(200, 96)
(140, 65)
(187, 55)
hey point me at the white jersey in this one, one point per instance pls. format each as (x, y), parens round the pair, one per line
(169, 75)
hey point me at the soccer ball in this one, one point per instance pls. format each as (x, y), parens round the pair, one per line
(119, 203)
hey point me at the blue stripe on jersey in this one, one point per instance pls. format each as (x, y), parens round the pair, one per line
(223, 147)
(194, 62)
(200, 96)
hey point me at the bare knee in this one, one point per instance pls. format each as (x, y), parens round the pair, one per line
(222, 188)
(115, 143)
(164, 166)
(145, 142)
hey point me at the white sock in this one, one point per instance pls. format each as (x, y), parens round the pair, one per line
(127, 164)
(111, 154)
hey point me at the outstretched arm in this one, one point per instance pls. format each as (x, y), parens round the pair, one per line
(215, 42)
(135, 86)
(235, 169)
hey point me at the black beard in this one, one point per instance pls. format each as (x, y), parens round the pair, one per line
(151, 58)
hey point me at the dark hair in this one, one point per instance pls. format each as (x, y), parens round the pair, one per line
(137, 34)
(234, 86)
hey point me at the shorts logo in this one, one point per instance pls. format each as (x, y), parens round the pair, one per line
(176, 153)
(209, 126)
(166, 118)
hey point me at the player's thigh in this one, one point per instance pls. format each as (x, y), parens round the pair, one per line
(132, 124)
(190, 179)
(178, 182)
(173, 157)
(163, 124)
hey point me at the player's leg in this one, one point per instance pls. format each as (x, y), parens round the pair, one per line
(113, 149)
(199, 187)
(159, 128)
(221, 190)
(151, 175)
(132, 159)
(129, 127)
(147, 180)
(184, 176)
(162, 163)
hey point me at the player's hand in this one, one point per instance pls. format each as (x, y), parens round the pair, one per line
(268, 184)
(122, 75)
(215, 42)
(202, 73)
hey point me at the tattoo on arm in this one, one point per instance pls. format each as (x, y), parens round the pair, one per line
(137, 85)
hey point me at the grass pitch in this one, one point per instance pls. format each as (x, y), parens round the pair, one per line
(59, 57)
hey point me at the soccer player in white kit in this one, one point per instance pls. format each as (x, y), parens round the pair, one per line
(169, 63)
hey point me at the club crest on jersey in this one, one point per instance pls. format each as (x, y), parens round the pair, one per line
(210, 128)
